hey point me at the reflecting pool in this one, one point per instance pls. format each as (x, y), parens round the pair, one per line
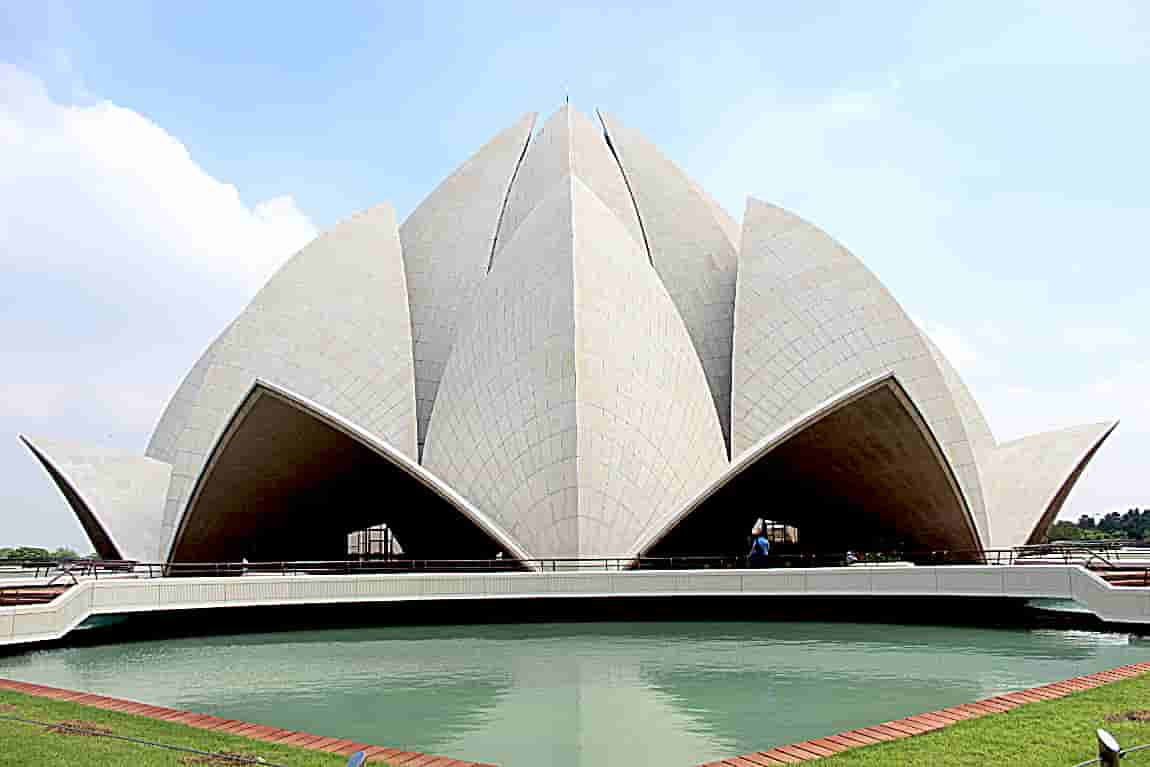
(581, 694)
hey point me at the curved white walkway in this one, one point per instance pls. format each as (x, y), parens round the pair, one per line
(39, 623)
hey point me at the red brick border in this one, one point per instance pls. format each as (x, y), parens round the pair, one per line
(793, 753)
(378, 754)
(928, 722)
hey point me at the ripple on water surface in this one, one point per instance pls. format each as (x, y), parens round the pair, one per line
(576, 695)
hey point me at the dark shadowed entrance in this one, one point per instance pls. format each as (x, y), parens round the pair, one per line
(289, 483)
(865, 473)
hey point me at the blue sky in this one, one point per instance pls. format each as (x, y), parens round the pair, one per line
(987, 160)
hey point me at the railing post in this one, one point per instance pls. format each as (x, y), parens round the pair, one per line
(1109, 752)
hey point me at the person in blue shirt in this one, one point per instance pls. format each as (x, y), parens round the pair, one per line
(760, 546)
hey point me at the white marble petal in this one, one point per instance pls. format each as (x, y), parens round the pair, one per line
(332, 324)
(118, 497)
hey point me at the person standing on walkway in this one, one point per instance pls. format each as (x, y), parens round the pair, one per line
(760, 546)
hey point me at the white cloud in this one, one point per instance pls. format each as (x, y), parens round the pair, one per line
(101, 187)
(122, 258)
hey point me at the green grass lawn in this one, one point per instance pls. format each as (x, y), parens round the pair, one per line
(23, 744)
(1056, 733)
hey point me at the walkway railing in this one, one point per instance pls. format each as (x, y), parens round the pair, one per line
(1109, 752)
(73, 569)
(1109, 563)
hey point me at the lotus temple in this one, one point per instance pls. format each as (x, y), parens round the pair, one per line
(569, 350)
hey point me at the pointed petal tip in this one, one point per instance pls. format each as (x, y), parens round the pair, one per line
(755, 204)
(759, 204)
(568, 111)
(562, 110)
(526, 121)
(384, 206)
(32, 446)
(1104, 429)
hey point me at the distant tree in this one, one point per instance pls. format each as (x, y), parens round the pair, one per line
(1133, 525)
(1065, 531)
(36, 552)
(26, 552)
(1142, 527)
(1111, 523)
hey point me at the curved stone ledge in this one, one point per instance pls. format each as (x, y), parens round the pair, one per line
(48, 622)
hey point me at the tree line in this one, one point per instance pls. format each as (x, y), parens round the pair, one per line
(35, 552)
(1134, 525)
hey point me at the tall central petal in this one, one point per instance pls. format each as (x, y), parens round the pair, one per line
(574, 409)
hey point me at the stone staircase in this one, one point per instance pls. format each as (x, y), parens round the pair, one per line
(1133, 577)
(30, 595)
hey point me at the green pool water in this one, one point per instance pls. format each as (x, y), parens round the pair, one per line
(576, 695)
